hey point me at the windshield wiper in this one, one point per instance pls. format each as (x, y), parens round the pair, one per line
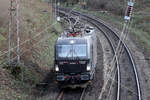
(68, 53)
(76, 55)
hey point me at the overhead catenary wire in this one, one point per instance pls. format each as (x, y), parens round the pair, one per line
(132, 61)
(119, 46)
(14, 45)
(15, 57)
(127, 20)
(123, 34)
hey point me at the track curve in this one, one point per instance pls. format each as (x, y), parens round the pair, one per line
(127, 75)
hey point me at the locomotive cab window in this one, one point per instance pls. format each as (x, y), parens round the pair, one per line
(80, 50)
(69, 51)
(64, 50)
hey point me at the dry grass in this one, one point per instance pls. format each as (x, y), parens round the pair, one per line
(36, 48)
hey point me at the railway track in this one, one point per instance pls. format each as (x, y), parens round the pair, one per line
(128, 85)
(64, 94)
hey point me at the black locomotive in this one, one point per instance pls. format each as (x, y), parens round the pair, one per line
(75, 58)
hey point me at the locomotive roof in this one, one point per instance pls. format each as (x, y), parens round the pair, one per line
(68, 41)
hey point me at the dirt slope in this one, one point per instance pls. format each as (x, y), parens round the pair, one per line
(35, 17)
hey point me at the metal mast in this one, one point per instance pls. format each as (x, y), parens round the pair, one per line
(18, 37)
(128, 15)
(14, 32)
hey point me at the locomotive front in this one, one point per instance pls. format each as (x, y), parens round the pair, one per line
(72, 62)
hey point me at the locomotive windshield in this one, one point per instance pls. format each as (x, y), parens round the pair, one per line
(79, 50)
(72, 51)
(64, 50)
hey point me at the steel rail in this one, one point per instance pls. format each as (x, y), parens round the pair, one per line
(129, 54)
(62, 92)
(116, 58)
(116, 64)
(60, 95)
(117, 61)
(123, 43)
(82, 95)
(131, 58)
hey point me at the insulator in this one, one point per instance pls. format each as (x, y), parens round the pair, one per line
(129, 11)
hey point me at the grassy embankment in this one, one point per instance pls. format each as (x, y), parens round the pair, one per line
(37, 26)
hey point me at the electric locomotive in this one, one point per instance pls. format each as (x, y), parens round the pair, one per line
(75, 58)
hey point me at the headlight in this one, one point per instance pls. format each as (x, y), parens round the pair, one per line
(56, 68)
(88, 68)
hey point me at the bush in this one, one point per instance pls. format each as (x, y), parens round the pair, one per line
(98, 4)
(115, 6)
